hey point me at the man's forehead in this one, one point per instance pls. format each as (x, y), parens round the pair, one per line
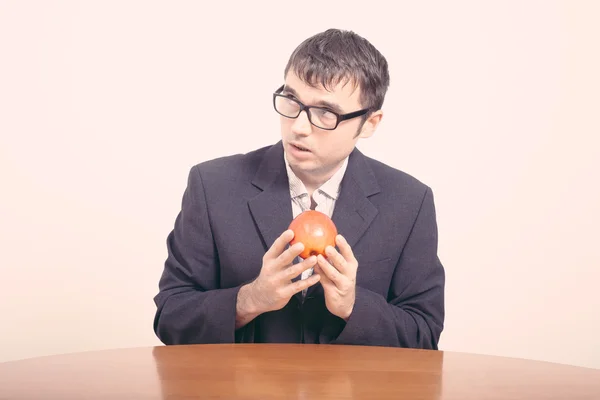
(345, 90)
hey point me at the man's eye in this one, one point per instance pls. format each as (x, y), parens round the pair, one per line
(323, 113)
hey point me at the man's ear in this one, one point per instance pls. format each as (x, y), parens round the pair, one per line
(370, 125)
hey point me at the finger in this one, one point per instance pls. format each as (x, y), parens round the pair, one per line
(329, 271)
(336, 259)
(345, 249)
(279, 244)
(302, 284)
(286, 258)
(299, 268)
(325, 281)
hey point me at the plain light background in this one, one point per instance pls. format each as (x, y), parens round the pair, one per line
(105, 105)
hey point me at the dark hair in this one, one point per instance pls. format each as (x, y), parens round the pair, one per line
(333, 56)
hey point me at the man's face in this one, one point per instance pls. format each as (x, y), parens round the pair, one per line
(326, 149)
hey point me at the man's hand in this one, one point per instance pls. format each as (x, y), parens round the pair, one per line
(273, 288)
(338, 277)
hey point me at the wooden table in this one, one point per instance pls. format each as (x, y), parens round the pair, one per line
(270, 371)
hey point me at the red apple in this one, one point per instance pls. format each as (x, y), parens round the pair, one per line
(315, 230)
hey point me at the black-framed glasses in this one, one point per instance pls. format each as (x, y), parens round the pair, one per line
(320, 117)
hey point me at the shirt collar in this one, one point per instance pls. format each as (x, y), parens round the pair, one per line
(331, 188)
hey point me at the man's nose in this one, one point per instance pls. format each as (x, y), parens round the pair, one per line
(302, 125)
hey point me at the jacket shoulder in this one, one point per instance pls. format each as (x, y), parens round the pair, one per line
(391, 179)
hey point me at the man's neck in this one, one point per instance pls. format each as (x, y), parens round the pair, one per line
(313, 182)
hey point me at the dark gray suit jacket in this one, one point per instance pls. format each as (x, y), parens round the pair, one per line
(235, 207)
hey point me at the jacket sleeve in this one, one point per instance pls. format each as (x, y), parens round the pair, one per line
(191, 308)
(413, 314)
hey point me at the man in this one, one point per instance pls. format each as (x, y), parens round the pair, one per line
(231, 275)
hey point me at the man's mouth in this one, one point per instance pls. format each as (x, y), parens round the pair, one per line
(300, 147)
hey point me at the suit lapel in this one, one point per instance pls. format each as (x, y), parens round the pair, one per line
(354, 212)
(271, 208)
